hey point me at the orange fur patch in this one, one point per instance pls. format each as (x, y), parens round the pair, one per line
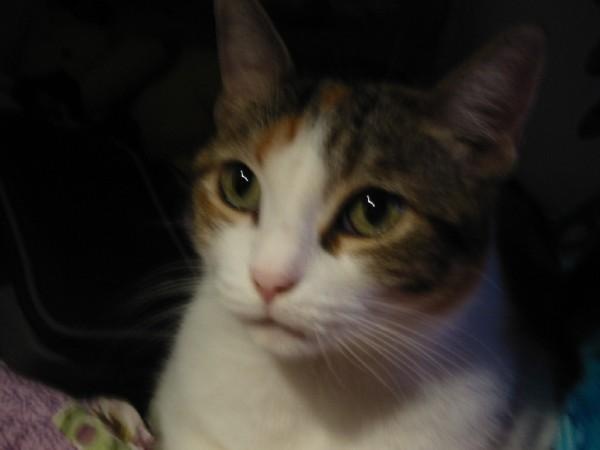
(282, 132)
(333, 95)
(209, 209)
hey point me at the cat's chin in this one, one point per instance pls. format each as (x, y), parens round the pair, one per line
(282, 341)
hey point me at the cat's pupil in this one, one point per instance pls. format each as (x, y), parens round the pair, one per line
(375, 206)
(242, 180)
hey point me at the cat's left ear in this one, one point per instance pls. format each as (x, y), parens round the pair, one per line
(485, 102)
(252, 56)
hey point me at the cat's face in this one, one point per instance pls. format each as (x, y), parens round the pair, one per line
(328, 213)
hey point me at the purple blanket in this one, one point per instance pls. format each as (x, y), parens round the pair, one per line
(36, 417)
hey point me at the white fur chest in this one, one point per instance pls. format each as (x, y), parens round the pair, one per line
(221, 391)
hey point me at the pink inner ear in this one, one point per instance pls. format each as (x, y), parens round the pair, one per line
(252, 56)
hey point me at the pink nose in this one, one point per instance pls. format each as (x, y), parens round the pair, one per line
(270, 283)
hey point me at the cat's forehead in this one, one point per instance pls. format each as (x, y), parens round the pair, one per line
(365, 124)
(380, 131)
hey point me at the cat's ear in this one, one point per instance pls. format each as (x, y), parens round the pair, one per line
(486, 101)
(252, 56)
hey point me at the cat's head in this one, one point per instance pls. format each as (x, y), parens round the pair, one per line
(323, 208)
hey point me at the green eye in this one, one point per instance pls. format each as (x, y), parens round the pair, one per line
(239, 187)
(371, 213)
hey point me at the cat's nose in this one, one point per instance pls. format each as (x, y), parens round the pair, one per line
(270, 283)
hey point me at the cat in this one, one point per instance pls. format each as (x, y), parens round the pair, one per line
(351, 296)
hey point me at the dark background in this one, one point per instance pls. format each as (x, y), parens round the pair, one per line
(102, 102)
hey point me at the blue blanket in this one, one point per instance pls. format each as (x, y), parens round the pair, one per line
(579, 426)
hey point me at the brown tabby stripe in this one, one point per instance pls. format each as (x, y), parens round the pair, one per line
(332, 94)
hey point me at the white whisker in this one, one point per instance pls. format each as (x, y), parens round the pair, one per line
(389, 356)
(416, 346)
(364, 365)
(328, 362)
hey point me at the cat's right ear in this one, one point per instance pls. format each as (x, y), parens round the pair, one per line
(486, 100)
(252, 56)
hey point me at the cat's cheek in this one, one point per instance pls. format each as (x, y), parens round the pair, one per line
(227, 260)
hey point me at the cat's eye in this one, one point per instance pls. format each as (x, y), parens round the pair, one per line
(239, 187)
(371, 213)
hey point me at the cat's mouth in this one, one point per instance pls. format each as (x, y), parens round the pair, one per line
(269, 322)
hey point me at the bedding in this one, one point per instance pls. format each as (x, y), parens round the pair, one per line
(36, 417)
